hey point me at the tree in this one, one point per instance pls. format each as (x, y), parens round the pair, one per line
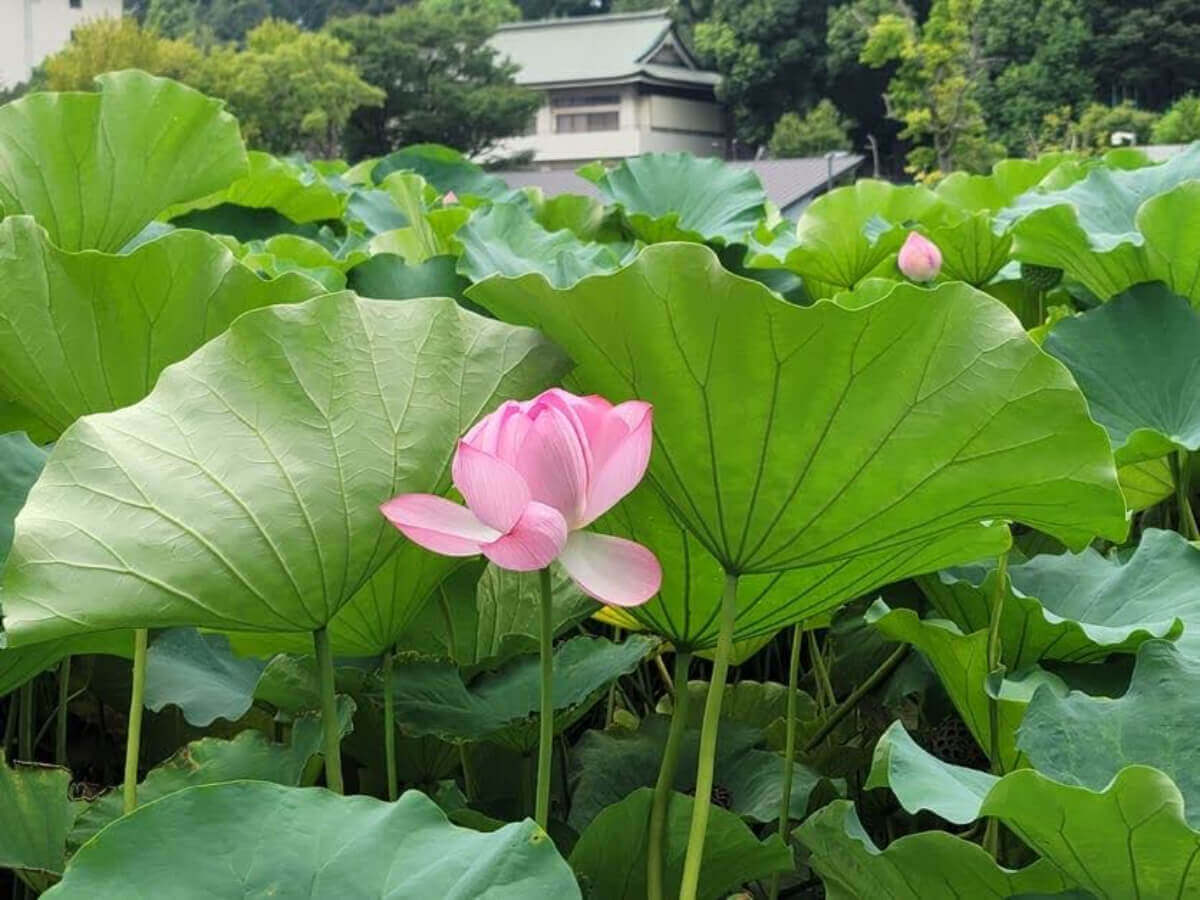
(290, 89)
(1038, 52)
(770, 54)
(1145, 50)
(1180, 124)
(443, 82)
(935, 91)
(108, 44)
(821, 130)
(494, 11)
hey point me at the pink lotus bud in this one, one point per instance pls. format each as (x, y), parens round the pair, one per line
(534, 475)
(920, 260)
(449, 199)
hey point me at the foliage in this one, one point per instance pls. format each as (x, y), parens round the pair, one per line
(109, 45)
(822, 128)
(1180, 124)
(964, 509)
(442, 81)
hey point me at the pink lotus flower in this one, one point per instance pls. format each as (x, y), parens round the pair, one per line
(919, 259)
(534, 475)
(449, 199)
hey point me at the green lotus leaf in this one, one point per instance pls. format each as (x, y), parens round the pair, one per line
(931, 865)
(799, 437)
(1079, 607)
(1133, 360)
(260, 462)
(1126, 838)
(200, 675)
(847, 233)
(21, 463)
(971, 250)
(445, 169)
(610, 856)
(292, 253)
(88, 332)
(585, 217)
(248, 756)
(960, 661)
(1083, 740)
(290, 188)
(252, 838)
(35, 818)
(506, 240)
(94, 168)
(1009, 179)
(1146, 483)
(1115, 228)
(607, 765)
(18, 665)
(386, 276)
(431, 698)
(680, 197)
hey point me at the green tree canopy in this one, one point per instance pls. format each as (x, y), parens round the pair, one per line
(822, 128)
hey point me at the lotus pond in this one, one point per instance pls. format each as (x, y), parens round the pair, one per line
(383, 531)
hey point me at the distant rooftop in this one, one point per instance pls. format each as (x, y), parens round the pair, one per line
(600, 49)
(789, 183)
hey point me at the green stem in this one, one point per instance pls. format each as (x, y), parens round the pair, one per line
(546, 723)
(835, 718)
(329, 716)
(708, 742)
(995, 659)
(656, 842)
(1181, 465)
(60, 730)
(821, 673)
(789, 749)
(468, 779)
(611, 706)
(25, 724)
(133, 736)
(389, 724)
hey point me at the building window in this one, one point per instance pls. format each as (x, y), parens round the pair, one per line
(592, 121)
(584, 100)
(76, 4)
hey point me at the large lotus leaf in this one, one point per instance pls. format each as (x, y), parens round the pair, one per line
(292, 253)
(1146, 483)
(243, 492)
(680, 197)
(35, 817)
(253, 839)
(971, 250)
(1115, 228)
(607, 765)
(21, 462)
(1083, 740)
(1079, 607)
(89, 332)
(790, 437)
(446, 169)
(22, 663)
(845, 234)
(248, 756)
(94, 168)
(960, 661)
(199, 674)
(1134, 360)
(291, 189)
(505, 240)
(931, 865)
(387, 276)
(1008, 179)
(1126, 837)
(610, 856)
(687, 606)
(431, 698)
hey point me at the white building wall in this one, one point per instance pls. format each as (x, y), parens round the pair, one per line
(31, 30)
(646, 123)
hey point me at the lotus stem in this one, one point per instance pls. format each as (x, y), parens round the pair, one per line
(468, 779)
(133, 736)
(825, 694)
(546, 724)
(656, 841)
(389, 724)
(872, 681)
(1181, 466)
(329, 716)
(60, 729)
(708, 742)
(991, 836)
(25, 723)
(789, 749)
